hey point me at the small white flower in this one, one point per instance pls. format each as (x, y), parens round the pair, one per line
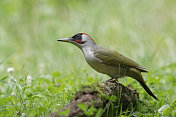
(23, 115)
(10, 70)
(58, 104)
(157, 77)
(29, 78)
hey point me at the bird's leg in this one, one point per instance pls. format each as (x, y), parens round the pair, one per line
(114, 79)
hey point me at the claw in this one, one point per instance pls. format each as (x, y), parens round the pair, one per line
(112, 80)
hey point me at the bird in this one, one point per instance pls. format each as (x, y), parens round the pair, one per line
(107, 61)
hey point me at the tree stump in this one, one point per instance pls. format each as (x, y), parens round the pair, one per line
(101, 99)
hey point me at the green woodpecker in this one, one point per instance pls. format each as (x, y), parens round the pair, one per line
(107, 61)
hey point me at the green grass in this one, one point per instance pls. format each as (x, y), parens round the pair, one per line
(143, 30)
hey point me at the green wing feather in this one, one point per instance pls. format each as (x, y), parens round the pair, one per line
(113, 58)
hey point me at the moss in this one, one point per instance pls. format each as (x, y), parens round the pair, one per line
(97, 88)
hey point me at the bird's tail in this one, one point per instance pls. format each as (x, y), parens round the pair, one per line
(142, 82)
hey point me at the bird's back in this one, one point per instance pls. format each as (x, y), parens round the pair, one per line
(113, 58)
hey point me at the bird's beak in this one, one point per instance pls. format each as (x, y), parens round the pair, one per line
(66, 39)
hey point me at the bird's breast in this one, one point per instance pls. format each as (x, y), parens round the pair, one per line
(97, 64)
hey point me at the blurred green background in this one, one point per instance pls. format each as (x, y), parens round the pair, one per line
(143, 30)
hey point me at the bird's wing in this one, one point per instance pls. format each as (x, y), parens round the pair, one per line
(113, 58)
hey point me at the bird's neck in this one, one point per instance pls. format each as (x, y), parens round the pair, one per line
(88, 49)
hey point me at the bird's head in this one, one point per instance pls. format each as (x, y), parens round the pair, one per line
(81, 40)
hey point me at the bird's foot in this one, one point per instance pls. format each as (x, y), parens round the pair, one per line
(113, 80)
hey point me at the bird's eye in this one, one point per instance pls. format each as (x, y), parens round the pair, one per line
(77, 36)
